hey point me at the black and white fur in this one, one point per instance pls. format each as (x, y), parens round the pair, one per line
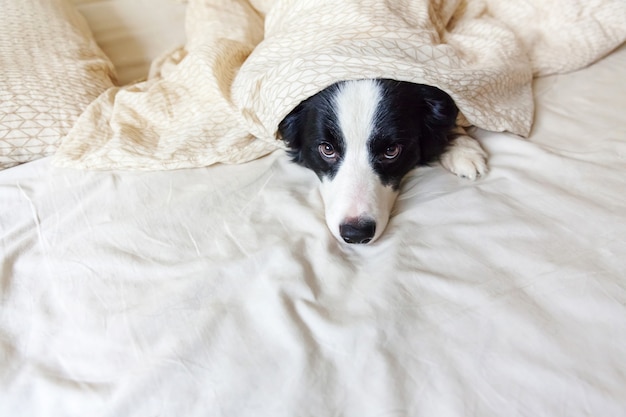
(362, 137)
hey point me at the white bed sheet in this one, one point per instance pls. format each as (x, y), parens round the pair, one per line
(219, 291)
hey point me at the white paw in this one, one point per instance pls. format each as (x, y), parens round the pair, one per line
(465, 158)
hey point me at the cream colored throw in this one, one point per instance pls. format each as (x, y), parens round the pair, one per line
(246, 64)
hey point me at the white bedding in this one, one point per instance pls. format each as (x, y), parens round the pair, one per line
(247, 64)
(218, 291)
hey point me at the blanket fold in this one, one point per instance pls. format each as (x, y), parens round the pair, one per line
(246, 64)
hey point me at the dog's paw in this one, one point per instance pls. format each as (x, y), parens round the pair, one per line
(465, 158)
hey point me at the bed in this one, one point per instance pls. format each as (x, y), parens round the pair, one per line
(219, 291)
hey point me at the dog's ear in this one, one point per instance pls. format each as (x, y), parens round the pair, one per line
(439, 117)
(441, 110)
(291, 129)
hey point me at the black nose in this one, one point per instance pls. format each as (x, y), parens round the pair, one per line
(358, 230)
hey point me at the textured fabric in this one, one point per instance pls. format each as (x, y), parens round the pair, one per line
(247, 64)
(50, 70)
(220, 292)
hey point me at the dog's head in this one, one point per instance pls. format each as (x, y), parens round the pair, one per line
(361, 138)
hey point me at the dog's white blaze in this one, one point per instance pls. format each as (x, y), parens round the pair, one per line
(356, 104)
(356, 190)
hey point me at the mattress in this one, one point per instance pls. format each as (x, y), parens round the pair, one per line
(219, 291)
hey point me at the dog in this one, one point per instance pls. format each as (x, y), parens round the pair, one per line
(362, 137)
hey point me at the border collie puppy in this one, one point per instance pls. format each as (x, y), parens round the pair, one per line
(362, 137)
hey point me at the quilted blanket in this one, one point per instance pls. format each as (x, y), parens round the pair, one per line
(247, 63)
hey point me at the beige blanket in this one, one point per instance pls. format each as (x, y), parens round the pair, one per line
(247, 63)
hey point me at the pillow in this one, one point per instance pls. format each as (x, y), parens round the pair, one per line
(50, 70)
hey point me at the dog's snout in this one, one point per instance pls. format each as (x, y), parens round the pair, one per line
(358, 230)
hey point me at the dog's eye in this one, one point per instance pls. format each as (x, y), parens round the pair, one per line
(392, 152)
(327, 150)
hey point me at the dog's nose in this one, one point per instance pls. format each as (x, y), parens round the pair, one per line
(358, 230)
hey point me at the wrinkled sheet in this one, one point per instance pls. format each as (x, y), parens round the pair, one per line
(218, 291)
(247, 64)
